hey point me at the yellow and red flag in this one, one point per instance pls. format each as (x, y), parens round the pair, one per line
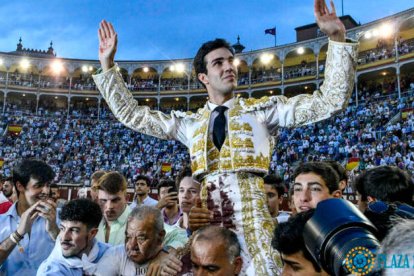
(14, 129)
(166, 167)
(353, 162)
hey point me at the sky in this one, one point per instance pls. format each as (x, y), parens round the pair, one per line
(166, 29)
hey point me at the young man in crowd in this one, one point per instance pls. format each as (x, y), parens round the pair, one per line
(188, 197)
(188, 194)
(5, 203)
(28, 230)
(230, 139)
(8, 189)
(288, 240)
(79, 221)
(275, 189)
(54, 192)
(342, 174)
(175, 237)
(94, 185)
(112, 199)
(314, 182)
(143, 245)
(142, 188)
(384, 183)
(168, 202)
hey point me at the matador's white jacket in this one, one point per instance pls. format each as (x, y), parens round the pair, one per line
(252, 123)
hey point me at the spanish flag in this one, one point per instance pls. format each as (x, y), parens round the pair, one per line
(353, 162)
(166, 167)
(14, 130)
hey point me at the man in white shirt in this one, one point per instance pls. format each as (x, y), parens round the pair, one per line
(79, 224)
(275, 189)
(112, 199)
(143, 244)
(142, 188)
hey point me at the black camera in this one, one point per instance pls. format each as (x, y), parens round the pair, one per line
(341, 239)
(382, 215)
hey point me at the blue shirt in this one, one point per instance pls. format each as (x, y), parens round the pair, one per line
(37, 247)
(56, 264)
(148, 201)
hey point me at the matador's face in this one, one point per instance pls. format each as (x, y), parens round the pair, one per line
(221, 76)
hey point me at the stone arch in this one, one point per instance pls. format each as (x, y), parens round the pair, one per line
(266, 68)
(300, 66)
(173, 79)
(144, 79)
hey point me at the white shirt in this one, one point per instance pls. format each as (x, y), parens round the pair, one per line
(57, 264)
(283, 216)
(214, 114)
(116, 262)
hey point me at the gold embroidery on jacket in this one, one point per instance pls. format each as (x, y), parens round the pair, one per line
(266, 260)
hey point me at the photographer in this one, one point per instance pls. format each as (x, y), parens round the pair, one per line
(385, 193)
(333, 239)
(288, 240)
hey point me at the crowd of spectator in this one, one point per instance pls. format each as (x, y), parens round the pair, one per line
(75, 148)
(139, 84)
(83, 82)
(102, 234)
(379, 131)
(385, 49)
(303, 70)
(79, 144)
(372, 131)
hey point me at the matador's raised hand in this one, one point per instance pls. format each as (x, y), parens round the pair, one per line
(108, 40)
(328, 22)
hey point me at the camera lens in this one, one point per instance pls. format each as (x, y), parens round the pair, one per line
(336, 234)
(348, 245)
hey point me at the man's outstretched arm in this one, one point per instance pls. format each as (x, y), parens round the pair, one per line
(120, 100)
(335, 92)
